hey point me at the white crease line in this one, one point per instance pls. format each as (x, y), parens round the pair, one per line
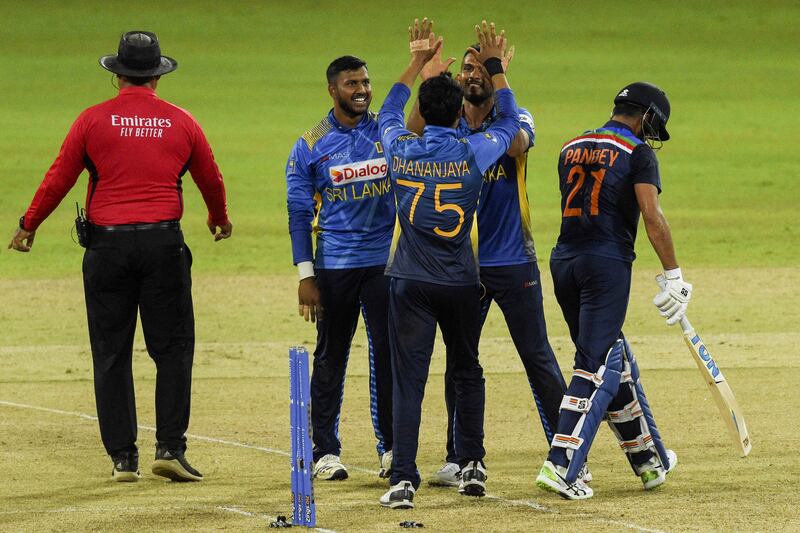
(104, 510)
(526, 503)
(98, 510)
(242, 512)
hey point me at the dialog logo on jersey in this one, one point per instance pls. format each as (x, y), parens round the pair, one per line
(359, 171)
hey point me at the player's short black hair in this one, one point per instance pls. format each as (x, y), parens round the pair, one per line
(626, 109)
(440, 100)
(342, 64)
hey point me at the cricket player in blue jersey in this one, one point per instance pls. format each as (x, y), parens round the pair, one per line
(338, 188)
(608, 177)
(437, 179)
(508, 269)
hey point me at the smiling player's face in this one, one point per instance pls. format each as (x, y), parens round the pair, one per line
(475, 81)
(352, 92)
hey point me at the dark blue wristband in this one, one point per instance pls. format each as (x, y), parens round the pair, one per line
(493, 66)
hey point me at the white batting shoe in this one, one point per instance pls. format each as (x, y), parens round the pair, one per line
(447, 476)
(584, 474)
(653, 474)
(330, 468)
(551, 478)
(400, 496)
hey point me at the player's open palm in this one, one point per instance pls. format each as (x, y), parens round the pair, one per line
(436, 65)
(492, 44)
(422, 41)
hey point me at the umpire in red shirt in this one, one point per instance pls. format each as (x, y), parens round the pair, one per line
(136, 148)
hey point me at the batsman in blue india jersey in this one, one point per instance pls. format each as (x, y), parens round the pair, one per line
(437, 178)
(508, 269)
(338, 189)
(608, 178)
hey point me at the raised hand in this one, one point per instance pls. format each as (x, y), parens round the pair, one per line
(492, 45)
(422, 41)
(507, 57)
(436, 65)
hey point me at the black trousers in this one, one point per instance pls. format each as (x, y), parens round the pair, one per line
(415, 308)
(517, 289)
(146, 271)
(344, 293)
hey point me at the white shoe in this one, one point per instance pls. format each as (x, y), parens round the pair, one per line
(551, 478)
(653, 474)
(330, 468)
(447, 476)
(473, 479)
(400, 496)
(584, 474)
(386, 465)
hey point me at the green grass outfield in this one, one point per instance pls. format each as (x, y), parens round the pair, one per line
(252, 73)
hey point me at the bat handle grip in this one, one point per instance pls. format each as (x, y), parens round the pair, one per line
(685, 325)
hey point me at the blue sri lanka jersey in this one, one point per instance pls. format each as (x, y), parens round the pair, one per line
(597, 172)
(437, 179)
(504, 219)
(338, 187)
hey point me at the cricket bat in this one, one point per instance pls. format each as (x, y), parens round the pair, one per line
(720, 390)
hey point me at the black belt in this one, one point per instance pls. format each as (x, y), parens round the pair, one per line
(170, 224)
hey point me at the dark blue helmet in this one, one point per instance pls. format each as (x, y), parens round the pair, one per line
(653, 101)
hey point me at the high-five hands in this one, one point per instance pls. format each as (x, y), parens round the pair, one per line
(423, 42)
(492, 45)
(436, 65)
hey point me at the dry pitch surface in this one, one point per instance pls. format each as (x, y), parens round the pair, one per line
(56, 476)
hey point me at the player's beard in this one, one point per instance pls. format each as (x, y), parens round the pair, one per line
(349, 110)
(477, 98)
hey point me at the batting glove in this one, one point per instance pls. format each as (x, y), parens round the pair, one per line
(674, 297)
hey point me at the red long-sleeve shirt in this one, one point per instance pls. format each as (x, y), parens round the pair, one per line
(136, 148)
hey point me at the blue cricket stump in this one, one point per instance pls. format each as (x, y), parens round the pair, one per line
(303, 506)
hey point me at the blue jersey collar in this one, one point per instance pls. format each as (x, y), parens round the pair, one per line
(338, 125)
(622, 128)
(619, 126)
(439, 131)
(463, 125)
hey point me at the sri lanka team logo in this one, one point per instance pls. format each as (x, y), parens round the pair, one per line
(359, 171)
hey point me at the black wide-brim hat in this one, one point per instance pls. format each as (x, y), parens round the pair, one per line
(139, 56)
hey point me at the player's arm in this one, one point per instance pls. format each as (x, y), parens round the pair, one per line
(675, 293)
(655, 223)
(300, 204)
(57, 183)
(497, 139)
(423, 45)
(431, 69)
(524, 139)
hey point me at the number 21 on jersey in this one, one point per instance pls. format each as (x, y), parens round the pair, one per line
(577, 175)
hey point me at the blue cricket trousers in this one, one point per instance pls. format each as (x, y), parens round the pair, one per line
(344, 293)
(517, 289)
(593, 293)
(415, 308)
